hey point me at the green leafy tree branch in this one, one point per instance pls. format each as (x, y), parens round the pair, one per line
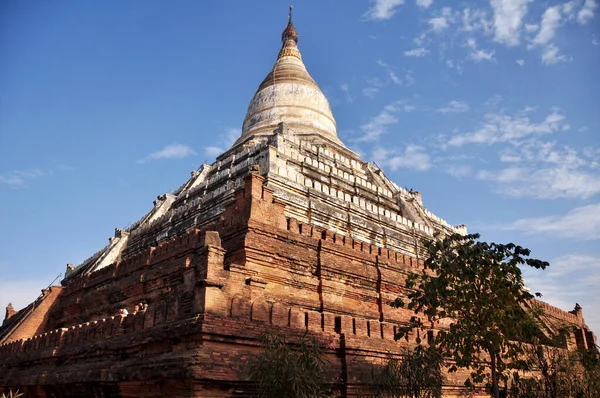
(478, 289)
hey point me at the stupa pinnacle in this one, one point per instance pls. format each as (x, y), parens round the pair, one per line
(289, 94)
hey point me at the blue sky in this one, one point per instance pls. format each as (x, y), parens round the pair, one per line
(490, 109)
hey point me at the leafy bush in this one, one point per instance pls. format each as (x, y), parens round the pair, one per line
(417, 375)
(284, 369)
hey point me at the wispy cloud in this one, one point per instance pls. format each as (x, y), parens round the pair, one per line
(373, 86)
(377, 126)
(454, 106)
(551, 56)
(382, 9)
(529, 28)
(544, 170)
(458, 171)
(424, 3)
(416, 52)
(587, 11)
(499, 127)
(550, 22)
(508, 18)
(438, 24)
(520, 62)
(345, 87)
(173, 151)
(580, 272)
(581, 223)
(476, 20)
(20, 178)
(544, 183)
(477, 54)
(409, 78)
(225, 140)
(412, 157)
(482, 55)
(391, 74)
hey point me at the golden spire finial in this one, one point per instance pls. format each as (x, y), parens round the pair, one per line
(289, 32)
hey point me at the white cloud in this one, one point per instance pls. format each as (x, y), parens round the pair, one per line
(508, 18)
(520, 62)
(383, 9)
(482, 55)
(578, 271)
(424, 3)
(473, 20)
(568, 9)
(587, 11)
(213, 151)
(550, 55)
(417, 52)
(531, 27)
(345, 87)
(173, 151)
(438, 24)
(458, 171)
(542, 170)
(581, 223)
(370, 91)
(493, 101)
(573, 262)
(550, 22)
(20, 178)
(225, 142)
(377, 126)
(504, 128)
(373, 87)
(391, 74)
(413, 157)
(409, 78)
(477, 54)
(454, 106)
(545, 183)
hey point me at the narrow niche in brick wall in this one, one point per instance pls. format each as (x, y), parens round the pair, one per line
(306, 320)
(430, 337)
(338, 324)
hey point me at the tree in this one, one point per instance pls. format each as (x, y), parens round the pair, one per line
(290, 370)
(558, 374)
(478, 288)
(417, 375)
(589, 380)
(554, 373)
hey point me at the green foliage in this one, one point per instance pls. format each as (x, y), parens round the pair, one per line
(554, 373)
(417, 375)
(479, 287)
(558, 374)
(590, 375)
(290, 370)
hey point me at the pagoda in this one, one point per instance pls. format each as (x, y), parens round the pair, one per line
(287, 230)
